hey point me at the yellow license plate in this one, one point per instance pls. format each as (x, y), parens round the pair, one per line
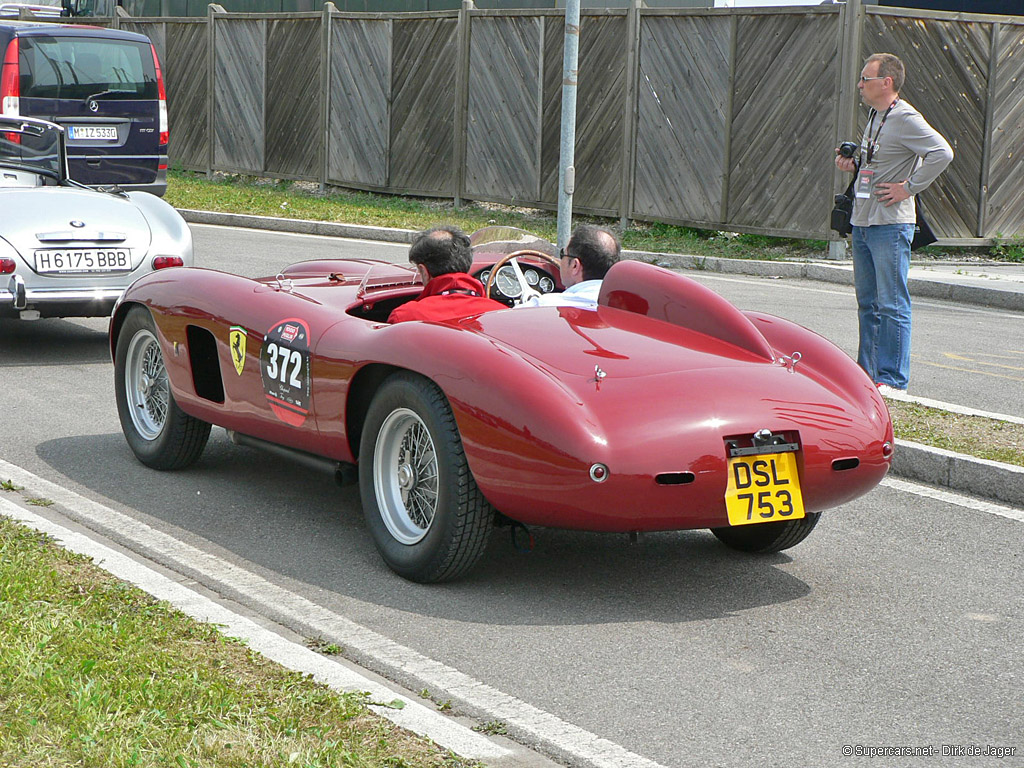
(763, 488)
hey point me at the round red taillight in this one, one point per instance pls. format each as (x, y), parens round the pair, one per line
(7, 266)
(162, 262)
(887, 449)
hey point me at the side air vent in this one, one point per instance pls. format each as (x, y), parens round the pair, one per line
(840, 464)
(674, 478)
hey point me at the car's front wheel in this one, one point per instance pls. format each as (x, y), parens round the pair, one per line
(160, 434)
(765, 538)
(428, 518)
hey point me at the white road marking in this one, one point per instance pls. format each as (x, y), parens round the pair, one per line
(528, 724)
(948, 497)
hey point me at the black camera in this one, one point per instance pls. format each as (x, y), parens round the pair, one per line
(848, 149)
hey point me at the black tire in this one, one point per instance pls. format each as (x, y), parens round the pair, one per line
(765, 538)
(160, 434)
(426, 514)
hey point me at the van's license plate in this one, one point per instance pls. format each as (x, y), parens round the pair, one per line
(90, 132)
(83, 260)
(763, 488)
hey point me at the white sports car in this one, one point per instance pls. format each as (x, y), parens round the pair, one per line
(67, 250)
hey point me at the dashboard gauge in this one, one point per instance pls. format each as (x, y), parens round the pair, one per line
(547, 285)
(532, 277)
(484, 276)
(508, 283)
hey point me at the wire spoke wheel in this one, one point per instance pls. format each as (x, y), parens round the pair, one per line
(428, 518)
(405, 476)
(146, 385)
(160, 434)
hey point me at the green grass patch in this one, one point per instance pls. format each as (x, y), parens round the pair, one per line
(94, 672)
(972, 435)
(303, 200)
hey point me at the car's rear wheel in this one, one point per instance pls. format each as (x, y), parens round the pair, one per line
(428, 518)
(764, 538)
(159, 433)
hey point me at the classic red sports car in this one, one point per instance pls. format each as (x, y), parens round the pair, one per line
(665, 408)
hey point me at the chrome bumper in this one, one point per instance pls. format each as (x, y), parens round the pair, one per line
(18, 297)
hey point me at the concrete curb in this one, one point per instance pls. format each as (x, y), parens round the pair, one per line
(299, 226)
(809, 270)
(958, 472)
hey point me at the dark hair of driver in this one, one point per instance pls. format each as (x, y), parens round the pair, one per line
(596, 248)
(441, 250)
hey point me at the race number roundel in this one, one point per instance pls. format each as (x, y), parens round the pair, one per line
(284, 365)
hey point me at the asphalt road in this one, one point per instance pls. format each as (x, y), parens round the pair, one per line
(897, 623)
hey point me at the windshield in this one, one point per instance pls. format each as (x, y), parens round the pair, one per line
(380, 277)
(503, 240)
(32, 145)
(54, 67)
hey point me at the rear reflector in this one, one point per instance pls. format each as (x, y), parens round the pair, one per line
(162, 262)
(7, 266)
(165, 133)
(9, 76)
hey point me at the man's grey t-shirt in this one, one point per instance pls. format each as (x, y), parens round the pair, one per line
(906, 148)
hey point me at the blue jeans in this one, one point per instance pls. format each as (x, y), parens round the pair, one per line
(881, 260)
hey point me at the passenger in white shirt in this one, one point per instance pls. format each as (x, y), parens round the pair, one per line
(582, 265)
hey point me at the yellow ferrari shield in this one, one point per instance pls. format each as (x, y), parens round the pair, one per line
(236, 341)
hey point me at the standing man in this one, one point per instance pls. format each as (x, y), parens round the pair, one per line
(582, 265)
(900, 155)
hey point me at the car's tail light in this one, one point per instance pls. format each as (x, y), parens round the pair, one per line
(165, 132)
(7, 266)
(162, 262)
(9, 77)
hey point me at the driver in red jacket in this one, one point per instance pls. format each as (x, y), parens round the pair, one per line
(442, 257)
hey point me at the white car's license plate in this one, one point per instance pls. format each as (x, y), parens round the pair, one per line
(87, 132)
(78, 260)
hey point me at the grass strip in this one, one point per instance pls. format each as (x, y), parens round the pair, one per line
(972, 435)
(95, 672)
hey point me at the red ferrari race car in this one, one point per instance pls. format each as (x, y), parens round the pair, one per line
(666, 408)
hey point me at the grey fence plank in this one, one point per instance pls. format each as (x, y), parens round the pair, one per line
(185, 78)
(424, 57)
(784, 112)
(947, 76)
(1005, 212)
(681, 102)
(360, 86)
(502, 133)
(239, 93)
(293, 136)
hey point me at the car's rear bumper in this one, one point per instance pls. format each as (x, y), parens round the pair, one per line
(16, 298)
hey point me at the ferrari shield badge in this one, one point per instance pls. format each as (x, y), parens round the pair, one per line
(236, 341)
(284, 365)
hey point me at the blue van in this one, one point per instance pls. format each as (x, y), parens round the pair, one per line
(103, 85)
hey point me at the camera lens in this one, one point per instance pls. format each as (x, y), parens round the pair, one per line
(848, 149)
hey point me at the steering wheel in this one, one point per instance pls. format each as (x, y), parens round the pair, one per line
(528, 291)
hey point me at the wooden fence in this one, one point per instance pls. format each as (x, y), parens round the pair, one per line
(717, 118)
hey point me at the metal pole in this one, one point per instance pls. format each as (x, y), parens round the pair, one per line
(566, 157)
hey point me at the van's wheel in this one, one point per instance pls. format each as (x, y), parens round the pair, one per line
(428, 518)
(160, 434)
(764, 538)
